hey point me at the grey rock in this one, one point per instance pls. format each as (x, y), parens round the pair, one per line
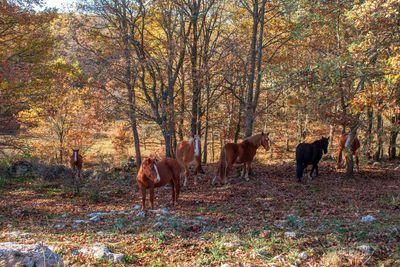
(225, 265)
(162, 211)
(95, 218)
(280, 257)
(290, 234)
(136, 207)
(368, 218)
(13, 254)
(141, 214)
(100, 251)
(303, 256)
(93, 214)
(80, 221)
(367, 249)
(59, 226)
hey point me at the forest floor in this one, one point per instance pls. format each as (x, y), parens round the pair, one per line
(269, 221)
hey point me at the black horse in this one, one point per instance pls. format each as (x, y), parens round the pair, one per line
(310, 154)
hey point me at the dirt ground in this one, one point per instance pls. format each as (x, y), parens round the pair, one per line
(272, 220)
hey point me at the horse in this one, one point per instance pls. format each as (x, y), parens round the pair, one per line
(76, 162)
(188, 152)
(243, 152)
(344, 141)
(310, 154)
(154, 174)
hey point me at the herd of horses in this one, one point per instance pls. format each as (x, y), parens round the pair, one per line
(155, 173)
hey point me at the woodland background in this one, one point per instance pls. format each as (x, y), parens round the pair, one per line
(119, 78)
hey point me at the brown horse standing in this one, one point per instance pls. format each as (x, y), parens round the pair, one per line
(76, 163)
(344, 139)
(187, 152)
(156, 174)
(243, 152)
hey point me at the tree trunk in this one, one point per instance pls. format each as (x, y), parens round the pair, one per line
(331, 132)
(393, 137)
(349, 154)
(195, 71)
(369, 136)
(249, 115)
(379, 128)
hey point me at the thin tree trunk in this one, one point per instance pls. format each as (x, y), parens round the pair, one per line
(249, 116)
(393, 137)
(349, 154)
(369, 136)
(379, 133)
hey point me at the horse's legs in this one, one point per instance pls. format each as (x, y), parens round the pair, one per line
(357, 161)
(173, 191)
(316, 170)
(247, 171)
(339, 159)
(243, 171)
(143, 190)
(299, 171)
(152, 197)
(177, 189)
(186, 176)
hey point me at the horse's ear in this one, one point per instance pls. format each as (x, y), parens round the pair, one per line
(267, 134)
(262, 133)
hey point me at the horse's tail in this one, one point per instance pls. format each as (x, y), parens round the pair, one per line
(221, 167)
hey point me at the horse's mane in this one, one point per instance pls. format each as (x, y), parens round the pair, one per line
(254, 139)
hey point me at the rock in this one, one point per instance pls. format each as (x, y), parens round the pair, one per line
(290, 234)
(95, 218)
(162, 211)
(225, 265)
(141, 214)
(65, 215)
(13, 254)
(158, 225)
(136, 207)
(280, 257)
(263, 253)
(21, 167)
(99, 251)
(376, 164)
(367, 249)
(59, 226)
(303, 256)
(280, 224)
(80, 221)
(230, 244)
(93, 214)
(368, 218)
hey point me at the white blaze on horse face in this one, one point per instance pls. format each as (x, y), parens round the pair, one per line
(158, 175)
(190, 141)
(196, 146)
(75, 155)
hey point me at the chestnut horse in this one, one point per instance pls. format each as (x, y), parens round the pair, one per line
(188, 152)
(76, 163)
(344, 141)
(243, 152)
(156, 174)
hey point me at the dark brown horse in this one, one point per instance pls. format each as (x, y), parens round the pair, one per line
(156, 174)
(344, 141)
(76, 163)
(243, 152)
(188, 152)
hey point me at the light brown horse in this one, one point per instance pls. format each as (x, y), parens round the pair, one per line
(156, 174)
(344, 141)
(243, 152)
(76, 162)
(188, 152)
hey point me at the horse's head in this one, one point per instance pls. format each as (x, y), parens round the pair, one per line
(148, 168)
(325, 143)
(265, 140)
